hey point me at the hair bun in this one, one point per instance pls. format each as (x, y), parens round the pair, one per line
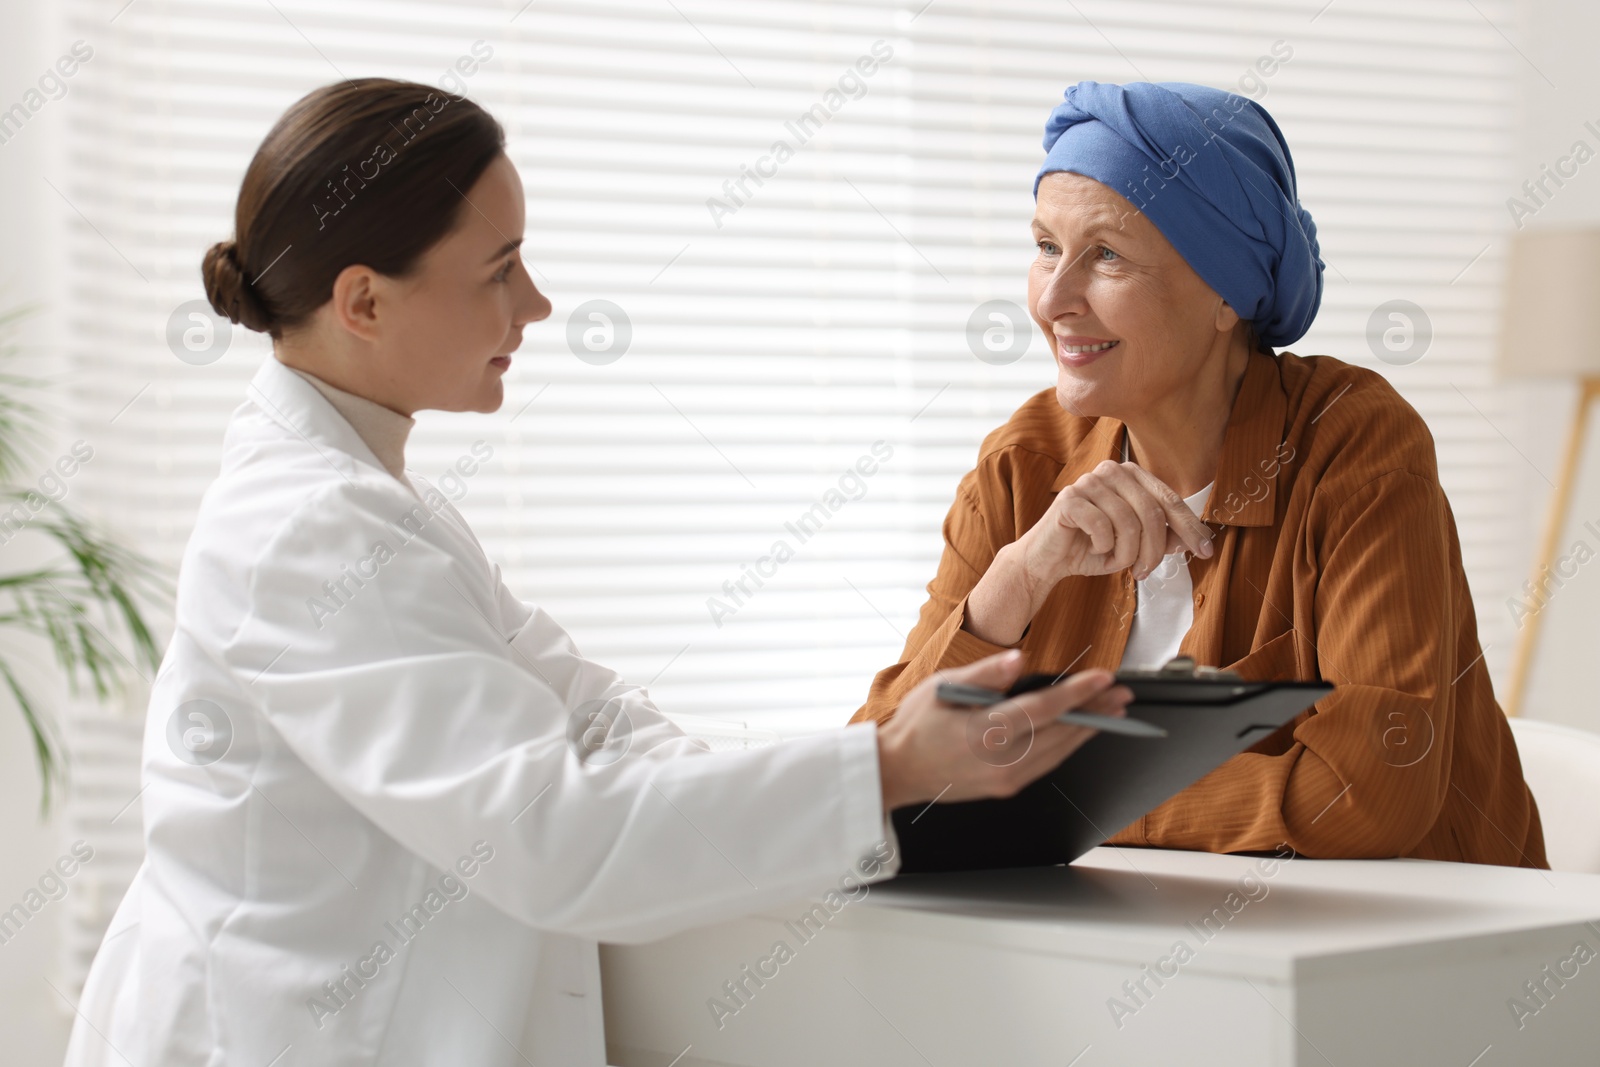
(230, 292)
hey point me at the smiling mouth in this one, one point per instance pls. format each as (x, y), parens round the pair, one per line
(1077, 350)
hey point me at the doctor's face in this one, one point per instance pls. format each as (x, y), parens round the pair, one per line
(1130, 323)
(458, 315)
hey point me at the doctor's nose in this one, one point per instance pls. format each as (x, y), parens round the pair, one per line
(531, 304)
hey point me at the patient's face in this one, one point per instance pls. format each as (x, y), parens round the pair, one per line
(459, 314)
(1105, 275)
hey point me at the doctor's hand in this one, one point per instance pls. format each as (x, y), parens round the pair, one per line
(1114, 517)
(929, 749)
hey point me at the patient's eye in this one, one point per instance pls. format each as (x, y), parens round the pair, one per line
(1105, 254)
(504, 272)
(1047, 248)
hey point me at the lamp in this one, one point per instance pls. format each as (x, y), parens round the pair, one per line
(1553, 286)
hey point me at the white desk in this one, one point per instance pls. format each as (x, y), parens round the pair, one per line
(1320, 962)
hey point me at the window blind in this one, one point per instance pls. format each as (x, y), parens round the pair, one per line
(723, 463)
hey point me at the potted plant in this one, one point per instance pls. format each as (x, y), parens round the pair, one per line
(85, 586)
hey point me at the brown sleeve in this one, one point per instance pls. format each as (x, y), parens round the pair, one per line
(938, 641)
(1368, 772)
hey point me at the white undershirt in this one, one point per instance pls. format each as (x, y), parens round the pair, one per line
(381, 429)
(1165, 608)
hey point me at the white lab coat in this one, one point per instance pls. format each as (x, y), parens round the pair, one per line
(400, 858)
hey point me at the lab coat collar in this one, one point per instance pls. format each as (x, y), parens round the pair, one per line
(298, 406)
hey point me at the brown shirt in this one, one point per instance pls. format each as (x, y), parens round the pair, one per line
(1336, 559)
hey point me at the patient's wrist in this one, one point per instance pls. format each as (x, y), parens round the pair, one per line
(1002, 605)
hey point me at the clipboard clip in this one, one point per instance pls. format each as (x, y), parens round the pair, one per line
(1184, 667)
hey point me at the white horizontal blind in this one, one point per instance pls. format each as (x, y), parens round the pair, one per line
(776, 336)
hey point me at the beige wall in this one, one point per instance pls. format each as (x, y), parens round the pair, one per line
(33, 1020)
(1560, 92)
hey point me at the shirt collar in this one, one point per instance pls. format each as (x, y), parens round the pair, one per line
(382, 429)
(293, 402)
(1249, 448)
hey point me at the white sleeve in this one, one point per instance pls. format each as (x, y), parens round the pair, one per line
(514, 613)
(377, 650)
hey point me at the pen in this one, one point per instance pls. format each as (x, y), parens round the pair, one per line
(976, 696)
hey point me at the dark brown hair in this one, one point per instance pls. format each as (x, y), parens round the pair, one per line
(371, 171)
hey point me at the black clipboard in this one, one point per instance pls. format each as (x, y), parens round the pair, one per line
(1210, 716)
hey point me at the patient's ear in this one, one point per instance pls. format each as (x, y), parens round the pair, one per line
(1227, 318)
(356, 301)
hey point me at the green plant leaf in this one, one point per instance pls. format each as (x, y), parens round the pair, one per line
(78, 602)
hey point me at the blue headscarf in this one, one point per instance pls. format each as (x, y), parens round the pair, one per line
(1210, 168)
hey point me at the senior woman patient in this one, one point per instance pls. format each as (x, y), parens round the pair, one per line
(1186, 490)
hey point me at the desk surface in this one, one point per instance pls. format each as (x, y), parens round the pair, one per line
(1117, 903)
(1297, 962)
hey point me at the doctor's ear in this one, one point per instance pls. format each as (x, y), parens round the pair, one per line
(357, 292)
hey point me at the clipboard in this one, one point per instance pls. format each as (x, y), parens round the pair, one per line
(1210, 715)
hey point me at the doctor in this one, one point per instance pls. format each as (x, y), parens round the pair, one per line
(389, 808)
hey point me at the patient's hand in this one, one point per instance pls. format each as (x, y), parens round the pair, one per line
(929, 749)
(1116, 516)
